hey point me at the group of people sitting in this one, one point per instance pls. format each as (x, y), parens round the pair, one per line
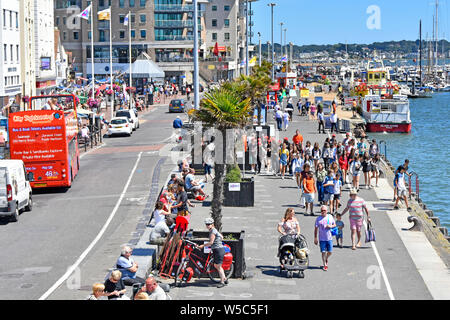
(124, 274)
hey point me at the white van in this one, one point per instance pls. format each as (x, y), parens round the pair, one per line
(131, 115)
(15, 189)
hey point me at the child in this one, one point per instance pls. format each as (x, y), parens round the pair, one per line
(309, 189)
(328, 186)
(340, 225)
(337, 184)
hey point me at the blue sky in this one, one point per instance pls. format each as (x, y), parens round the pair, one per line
(340, 21)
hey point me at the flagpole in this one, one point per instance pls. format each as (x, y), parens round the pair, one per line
(129, 36)
(92, 51)
(110, 61)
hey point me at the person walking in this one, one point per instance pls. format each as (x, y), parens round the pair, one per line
(355, 170)
(286, 120)
(355, 207)
(321, 174)
(321, 119)
(279, 118)
(289, 224)
(309, 189)
(297, 164)
(322, 235)
(328, 186)
(367, 168)
(316, 155)
(334, 120)
(284, 156)
(402, 192)
(218, 250)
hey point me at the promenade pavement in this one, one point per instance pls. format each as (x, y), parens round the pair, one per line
(381, 270)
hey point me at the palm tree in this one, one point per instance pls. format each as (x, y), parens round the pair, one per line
(223, 109)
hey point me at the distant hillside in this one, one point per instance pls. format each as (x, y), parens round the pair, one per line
(400, 47)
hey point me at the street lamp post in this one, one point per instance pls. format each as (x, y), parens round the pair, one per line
(246, 37)
(259, 38)
(271, 5)
(281, 41)
(268, 50)
(196, 77)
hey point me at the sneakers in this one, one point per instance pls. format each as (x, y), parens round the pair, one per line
(395, 207)
(409, 209)
(221, 285)
(325, 268)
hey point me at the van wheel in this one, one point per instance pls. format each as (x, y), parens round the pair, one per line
(29, 207)
(15, 216)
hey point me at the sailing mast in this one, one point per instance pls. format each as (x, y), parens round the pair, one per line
(436, 39)
(420, 52)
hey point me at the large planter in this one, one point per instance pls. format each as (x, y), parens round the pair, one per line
(239, 194)
(236, 246)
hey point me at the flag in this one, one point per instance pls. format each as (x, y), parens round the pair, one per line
(105, 14)
(252, 62)
(85, 14)
(284, 59)
(125, 20)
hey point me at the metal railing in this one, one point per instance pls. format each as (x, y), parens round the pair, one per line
(94, 138)
(173, 8)
(173, 23)
(174, 38)
(412, 173)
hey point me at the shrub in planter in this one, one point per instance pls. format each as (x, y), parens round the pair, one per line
(233, 175)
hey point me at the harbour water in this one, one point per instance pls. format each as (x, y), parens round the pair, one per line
(428, 149)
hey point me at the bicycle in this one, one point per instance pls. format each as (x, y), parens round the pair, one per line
(199, 264)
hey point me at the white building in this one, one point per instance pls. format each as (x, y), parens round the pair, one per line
(44, 46)
(27, 48)
(10, 82)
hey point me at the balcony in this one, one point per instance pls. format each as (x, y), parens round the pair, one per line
(174, 24)
(173, 59)
(102, 60)
(173, 8)
(173, 38)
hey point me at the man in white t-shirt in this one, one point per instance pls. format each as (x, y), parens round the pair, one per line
(154, 291)
(402, 191)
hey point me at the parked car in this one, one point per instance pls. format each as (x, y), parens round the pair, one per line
(120, 126)
(15, 189)
(177, 105)
(131, 115)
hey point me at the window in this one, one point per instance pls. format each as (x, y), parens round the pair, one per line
(57, 21)
(6, 81)
(89, 35)
(214, 36)
(121, 3)
(132, 3)
(11, 52)
(64, 35)
(64, 20)
(214, 8)
(143, 18)
(226, 23)
(5, 52)
(122, 34)
(101, 3)
(10, 19)
(142, 3)
(227, 36)
(133, 34)
(4, 17)
(17, 20)
(17, 52)
(121, 18)
(133, 18)
(214, 22)
(75, 35)
(226, 8)
(101, 35)
(143, 34)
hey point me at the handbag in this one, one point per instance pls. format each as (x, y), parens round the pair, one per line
(370, 232)
(334, 230)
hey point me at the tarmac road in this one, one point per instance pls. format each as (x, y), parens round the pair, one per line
(37, 250)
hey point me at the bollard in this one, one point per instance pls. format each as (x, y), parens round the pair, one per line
(429, 213)
(436, 221)
(444, 231)
(417, 224)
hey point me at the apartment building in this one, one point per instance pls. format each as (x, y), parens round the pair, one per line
(27, 48)
(44, 46)
(10, 81)
(224, 22)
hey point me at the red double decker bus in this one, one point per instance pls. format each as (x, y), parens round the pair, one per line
(45, 138)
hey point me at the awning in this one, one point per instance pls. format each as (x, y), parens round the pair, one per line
(143, 67)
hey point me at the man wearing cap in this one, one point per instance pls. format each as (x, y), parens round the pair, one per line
(355, 207)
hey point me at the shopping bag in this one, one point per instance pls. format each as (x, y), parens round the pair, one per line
(370, 232)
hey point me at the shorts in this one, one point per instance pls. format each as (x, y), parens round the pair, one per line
(356, 224)
(218, 255)
(298, 170)
(326, 246)
(309, 197)
(283, 163)
(340, 235)
(208, 169)
(402, 192)
(196, 188)
(357, 173)
(336, 196)
(327, 197)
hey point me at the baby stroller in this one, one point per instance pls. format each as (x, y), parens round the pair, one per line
(304, 110)
(294, 255)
